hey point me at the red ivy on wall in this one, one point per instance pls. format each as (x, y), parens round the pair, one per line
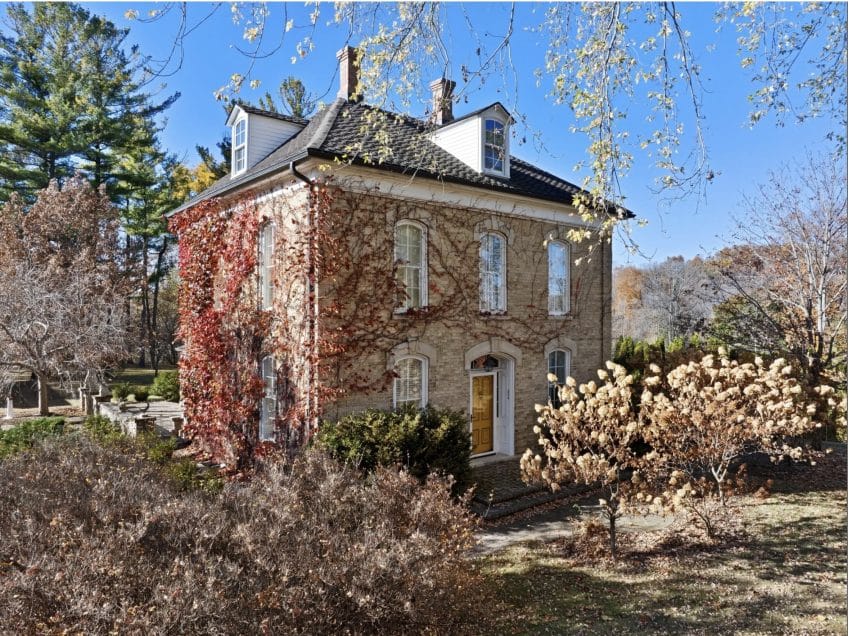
(222, 327)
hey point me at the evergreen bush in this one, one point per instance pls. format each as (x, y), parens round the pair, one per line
(422, 441)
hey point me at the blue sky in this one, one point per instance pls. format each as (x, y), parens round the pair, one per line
(741, 157)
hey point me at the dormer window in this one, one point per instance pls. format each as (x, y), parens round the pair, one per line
(240, 146)
(494, 146)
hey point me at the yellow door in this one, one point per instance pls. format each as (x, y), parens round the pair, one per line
(482, 414)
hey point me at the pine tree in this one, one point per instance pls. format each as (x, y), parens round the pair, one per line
(71, 100)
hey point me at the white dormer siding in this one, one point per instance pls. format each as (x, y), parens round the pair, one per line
(465, 139)
(263, 134)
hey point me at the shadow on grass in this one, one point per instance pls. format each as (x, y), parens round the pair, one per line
(715, 597)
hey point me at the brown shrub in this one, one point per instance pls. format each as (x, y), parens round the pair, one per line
(94, 540)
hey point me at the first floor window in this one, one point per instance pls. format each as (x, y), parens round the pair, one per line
(559, 366)
(492, 273)
(411, 383)
(268, 405)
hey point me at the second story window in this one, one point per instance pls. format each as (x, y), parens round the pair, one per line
(559, 278)
(494, 146)
(493, 292)
(411, 265)
(266, 266)
(240, 146)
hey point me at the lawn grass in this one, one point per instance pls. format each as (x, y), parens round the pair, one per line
(137, 375)
(786, 573)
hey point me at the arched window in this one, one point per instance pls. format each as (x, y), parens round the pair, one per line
(240, 146)
(266, 265)
(559, 366)
(411, 382)
(559, 278)
(411, 264)
(494, 146)
(268, 404)
(492, 274)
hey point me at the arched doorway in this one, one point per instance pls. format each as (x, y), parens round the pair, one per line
(491, 400)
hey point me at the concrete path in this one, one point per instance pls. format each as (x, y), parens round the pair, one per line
(555, 523)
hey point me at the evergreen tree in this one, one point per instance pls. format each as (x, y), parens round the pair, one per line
(71, 100)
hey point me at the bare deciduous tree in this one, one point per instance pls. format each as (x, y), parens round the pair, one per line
(59, 282)
(789, 272)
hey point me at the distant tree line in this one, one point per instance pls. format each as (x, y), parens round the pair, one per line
(779, 288)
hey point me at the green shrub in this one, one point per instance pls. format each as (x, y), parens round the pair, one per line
(423, 441)
(156, 448)
(141, 393)
(27, 434)
(189, 478)
(102, 430)
(167, 386)
(122, 390)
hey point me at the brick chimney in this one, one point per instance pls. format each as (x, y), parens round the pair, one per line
(349, 63)
(441, 99)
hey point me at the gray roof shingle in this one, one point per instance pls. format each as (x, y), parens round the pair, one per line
(365, 135)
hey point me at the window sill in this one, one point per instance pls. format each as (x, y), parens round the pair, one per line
(567, 316)
(405, 314)
(500, 315)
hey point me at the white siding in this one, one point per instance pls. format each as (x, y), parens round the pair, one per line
(265, 134)
(463, 140)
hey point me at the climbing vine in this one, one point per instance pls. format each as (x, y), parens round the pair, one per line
(335, 310)
(221, 326)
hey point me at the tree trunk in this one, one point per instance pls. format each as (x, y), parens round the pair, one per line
(612, 535)
(42, 394)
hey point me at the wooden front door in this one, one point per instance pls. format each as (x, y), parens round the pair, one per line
(482, 413)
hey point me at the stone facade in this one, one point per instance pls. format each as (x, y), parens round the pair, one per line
(450, 338)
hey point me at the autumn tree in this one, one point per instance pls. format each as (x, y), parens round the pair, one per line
(589, 439)
(786, 277)
(668, 300)
(62, 314)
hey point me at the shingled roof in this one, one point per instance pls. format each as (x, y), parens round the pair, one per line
(350, 131)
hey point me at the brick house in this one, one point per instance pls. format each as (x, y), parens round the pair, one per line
(459, 286)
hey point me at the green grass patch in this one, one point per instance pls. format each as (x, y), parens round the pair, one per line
(27, 434)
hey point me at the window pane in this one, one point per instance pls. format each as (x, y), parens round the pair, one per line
(268, 404)
(492, 273)
(410, 263)
(267, 265)
(559, 280)
(408, 384)
(494, 145)
(559, 366)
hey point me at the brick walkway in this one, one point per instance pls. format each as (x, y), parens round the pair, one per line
(500, 491)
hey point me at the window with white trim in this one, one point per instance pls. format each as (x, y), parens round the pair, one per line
(240, 146)
(493, 281)
(410, 385)
(494, 146)
(559, 278)
(268, 404)
(411, 264)
(559, 366)
(266, 265)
